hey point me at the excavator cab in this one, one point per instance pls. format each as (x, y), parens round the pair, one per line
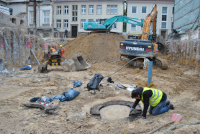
(102, 21)
(134, 36)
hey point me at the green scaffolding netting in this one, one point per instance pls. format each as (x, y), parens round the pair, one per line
(186, 15)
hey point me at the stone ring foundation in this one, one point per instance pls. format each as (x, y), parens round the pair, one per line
(116, 110)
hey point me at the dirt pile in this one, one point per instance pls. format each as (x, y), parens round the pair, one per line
(96, 47)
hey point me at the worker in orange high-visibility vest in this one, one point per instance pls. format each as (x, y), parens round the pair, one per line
(62, 51)
(52, 50)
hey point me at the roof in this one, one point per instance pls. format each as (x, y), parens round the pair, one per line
(84, 0)
(153, 0)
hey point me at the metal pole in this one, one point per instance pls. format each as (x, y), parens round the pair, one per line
(34, 17)
(150, 72)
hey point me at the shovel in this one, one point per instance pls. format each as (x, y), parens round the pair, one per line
(175, 118)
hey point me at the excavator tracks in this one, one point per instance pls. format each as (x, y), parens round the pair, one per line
(161, 63)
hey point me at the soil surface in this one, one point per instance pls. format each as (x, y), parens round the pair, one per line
(17, 88)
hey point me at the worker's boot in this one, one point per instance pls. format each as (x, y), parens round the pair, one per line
(167, 102)
(171, 106)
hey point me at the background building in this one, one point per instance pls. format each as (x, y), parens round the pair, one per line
(44, 18)
(140, 9)
(71, 14)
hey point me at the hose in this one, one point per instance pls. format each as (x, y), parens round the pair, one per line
(124, 66)
(174, 127)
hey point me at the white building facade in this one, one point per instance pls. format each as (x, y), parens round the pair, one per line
(44, 18)
(71, 14)
(141, 8)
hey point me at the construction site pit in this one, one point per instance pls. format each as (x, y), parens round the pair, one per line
(116, 110)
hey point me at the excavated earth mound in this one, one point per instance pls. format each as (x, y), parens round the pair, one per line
(96, 47)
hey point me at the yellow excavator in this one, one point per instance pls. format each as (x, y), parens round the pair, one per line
(132, 48)
(53, 58)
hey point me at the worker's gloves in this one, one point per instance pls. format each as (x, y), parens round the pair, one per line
(143, 117)
(131, 109)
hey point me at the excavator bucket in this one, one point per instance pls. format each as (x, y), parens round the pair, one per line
(80, 63)
(70, 65)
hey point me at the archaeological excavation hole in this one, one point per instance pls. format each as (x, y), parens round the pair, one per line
(21, 22)
(14, 20)
(29, 60)
(116, 110)
(1, 64)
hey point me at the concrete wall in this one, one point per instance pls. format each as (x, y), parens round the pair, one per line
(149, 6)
(14, 22)
(17, 7)
(191, 35)
(87, 16)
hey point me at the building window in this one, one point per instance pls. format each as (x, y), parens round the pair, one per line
(144, 9)
(164, 10)
(90, 20)
(115, 9)
(58, 23)
(74, 12)
(98, 9)
(151, 26)
(66, 9)
(83, 9)
(82, 23)
(91, 9)
(114, 26)
(58, 9)
(65, 24)
(134, 9)
(164, 18)
(111, 9)
(164, 25)
(172, 10)
(31, 18)
(133, 27)
(46, 17)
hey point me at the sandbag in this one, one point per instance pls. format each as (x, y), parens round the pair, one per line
(66, 96)
(70, 94)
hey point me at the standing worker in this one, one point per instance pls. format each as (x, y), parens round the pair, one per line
(66, 33)
(62, 51)
(155, 98)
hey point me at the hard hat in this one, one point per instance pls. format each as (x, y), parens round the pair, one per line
(60, 45)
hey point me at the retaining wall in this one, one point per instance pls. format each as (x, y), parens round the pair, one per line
(185, 52)
(15, 48)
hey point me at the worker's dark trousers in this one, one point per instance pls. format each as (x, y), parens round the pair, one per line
(159, 109)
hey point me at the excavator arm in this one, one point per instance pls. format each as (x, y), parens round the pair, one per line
(109, 22)
(147, 23)
(95, 26)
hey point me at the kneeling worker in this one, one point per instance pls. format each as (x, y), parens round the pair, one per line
(155, 98)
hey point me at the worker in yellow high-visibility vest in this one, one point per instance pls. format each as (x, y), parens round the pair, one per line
(155, 98)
